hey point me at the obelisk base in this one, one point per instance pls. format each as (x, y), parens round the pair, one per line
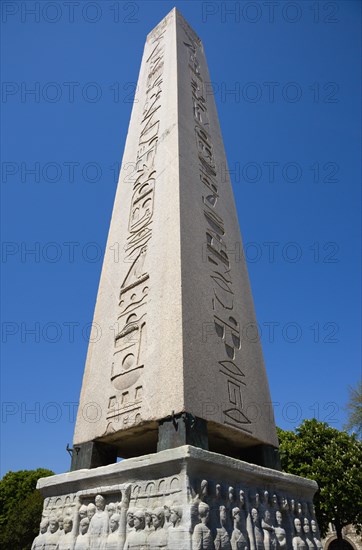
(180, 499)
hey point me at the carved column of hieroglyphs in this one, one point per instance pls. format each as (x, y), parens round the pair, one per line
(130, 339)
(226, 324)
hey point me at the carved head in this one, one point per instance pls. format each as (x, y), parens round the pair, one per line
(275, 500)
(53, 524)
(254, 515)
(44, 526)
(60, 520)
(306, 526)
(278, 517)
(158, 518)
(111, 509)
(204, 510)
(139, 520)
(176, 515)
(314, 526)
(91, 510)
(204, 485)
(236, 514)
(222, 511)
(84, 524)
(130, 517)
(148, 518)
(83, 511)
(298, 526)
(167, 510)
(114, 522)
(218, 490)
(266, 516)
(231, 493)
(68, 524)
(242, 497)
(100, 502)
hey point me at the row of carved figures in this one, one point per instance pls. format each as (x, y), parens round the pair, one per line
(113, 527)
(253, 530)
(230, 519)
(244, 523)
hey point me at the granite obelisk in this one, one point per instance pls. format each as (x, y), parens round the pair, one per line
(174, 307)
(172, 367)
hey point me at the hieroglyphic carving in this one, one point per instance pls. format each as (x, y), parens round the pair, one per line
(227, 327)
(124, 407)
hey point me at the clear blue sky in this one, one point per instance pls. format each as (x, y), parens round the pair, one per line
(292, 134)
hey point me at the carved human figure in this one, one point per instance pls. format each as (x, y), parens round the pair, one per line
(177, 539)
(298, 539)
(39, 541)
(60, 522)
(275, 502)
(113, 540)
(148, 521)
(66, 539)
(130, 518)
(315, 532)
(201, 538)
(137, 537)
(308, 534)
(218, 491)
(52, 536)
(246, 521)
(167, 510)
(222, 539)
(258, 532)
(280, 531)
(82, 512)
(82, 540)
(111, 509)
(158, 537)
(270, 541)
(239, 539)
(98, 527)
(203, 489)
(285, 504)
(91, 510)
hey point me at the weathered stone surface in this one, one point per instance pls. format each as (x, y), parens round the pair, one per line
(174, 324)
(180, 499)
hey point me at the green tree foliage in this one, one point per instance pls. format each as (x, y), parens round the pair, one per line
(20, 508)
(334, 460)
(354, 410)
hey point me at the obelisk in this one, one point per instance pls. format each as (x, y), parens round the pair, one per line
(171, 369)
(174, 324)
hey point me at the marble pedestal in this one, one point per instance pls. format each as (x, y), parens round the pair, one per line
(181, 499)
